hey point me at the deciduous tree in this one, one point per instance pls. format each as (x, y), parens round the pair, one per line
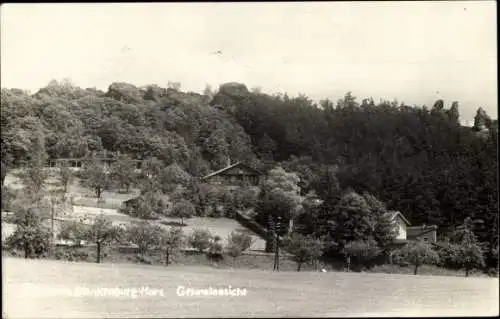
(303, 248)
(171, 240)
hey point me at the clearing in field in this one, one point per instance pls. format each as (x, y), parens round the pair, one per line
(283, 294)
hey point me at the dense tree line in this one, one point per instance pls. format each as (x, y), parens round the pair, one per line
(418, 160)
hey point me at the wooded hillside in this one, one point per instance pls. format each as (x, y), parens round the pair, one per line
(415, 159)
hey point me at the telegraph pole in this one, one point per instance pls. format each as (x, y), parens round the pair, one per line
(272, 236)
(52, 213)
(277, 244)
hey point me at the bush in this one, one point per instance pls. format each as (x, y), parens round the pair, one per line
(183, 209)
(215, 249)
(469, 257)
(303, 248)
(145, 235)
(8, 197)
(416, 253)
(239, 241)
(142, 259)
(71, 255)
(200, 239)
(29, 235)
(171, 241)
(363, 252)
(73, 231)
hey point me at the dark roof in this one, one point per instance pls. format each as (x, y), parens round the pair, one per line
(418, 231)
(237, 164)
(131, 200)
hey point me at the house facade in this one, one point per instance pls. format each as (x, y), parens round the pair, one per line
(413, 233)
(237, 174)
(423, 232)
(402, 224)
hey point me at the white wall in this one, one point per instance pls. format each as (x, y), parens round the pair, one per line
(401, 228)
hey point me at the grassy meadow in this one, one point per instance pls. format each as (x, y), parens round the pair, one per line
(28, 285)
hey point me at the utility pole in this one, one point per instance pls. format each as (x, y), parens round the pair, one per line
(53, 202)
(272, 236)
(277, 244)
(52, 242)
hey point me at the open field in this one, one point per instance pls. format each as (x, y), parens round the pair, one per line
(219, 226)
(28, 284)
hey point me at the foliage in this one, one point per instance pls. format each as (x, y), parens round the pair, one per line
(35, 174)
(66, 176)
(245, 197)
(145, 235)
(170, 241)
(30, 235)
(363, 251)
(122, 172)
(279, 197)
(95, 176)
(464, 250)
(205, 197)
(237, 243)
(303, 248)
(9, 196)
(73, 231)
(215, 249)
(172, 176)
(385, 229)
(103, 232)
(183, 209)
(150, 205)
(416, 253)
(200, 239)
(415, 159)
(351, 219)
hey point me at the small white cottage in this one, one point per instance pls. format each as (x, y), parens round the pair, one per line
(402, 224)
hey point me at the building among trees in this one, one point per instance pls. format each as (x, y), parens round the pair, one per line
(413, 233)
(237, 174)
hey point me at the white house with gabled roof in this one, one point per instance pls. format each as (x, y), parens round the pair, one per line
(401, 223)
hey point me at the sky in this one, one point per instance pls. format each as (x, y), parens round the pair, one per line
(416, 52)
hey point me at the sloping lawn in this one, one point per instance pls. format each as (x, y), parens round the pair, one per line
(30, 292)
(217, 226)
(86, 206)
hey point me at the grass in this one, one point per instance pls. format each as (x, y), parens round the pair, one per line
(284, 294)
(85, 205)
(217, 226)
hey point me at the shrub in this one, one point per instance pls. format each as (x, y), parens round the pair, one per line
(29, 236)
(240, 240)
(183, 209)
(363, 252)
(103, 232)
(139, 258)
(8, 197)
(215, 249)
(71, 255)
(73, 231)
(170, 241)
(469, 257)
(200, 239)
(145, 235)
(303, 248)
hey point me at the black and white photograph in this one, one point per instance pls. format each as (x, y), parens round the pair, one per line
(249, 159)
